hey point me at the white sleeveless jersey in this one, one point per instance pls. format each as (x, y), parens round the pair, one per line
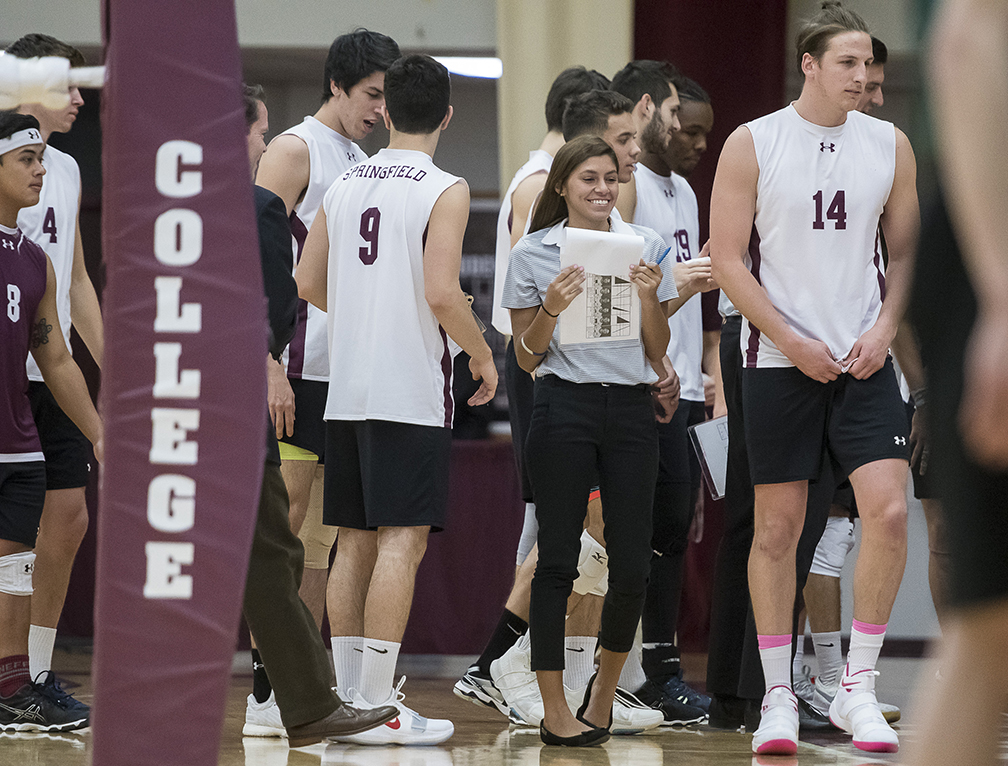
(389, 357)
(330, 154)
(52, 225)
(668, 205)
(538, 162)
(818, 200)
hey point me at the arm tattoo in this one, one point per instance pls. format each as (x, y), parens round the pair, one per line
(40, 333)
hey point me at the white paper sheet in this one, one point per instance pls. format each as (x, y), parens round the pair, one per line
(608, 311)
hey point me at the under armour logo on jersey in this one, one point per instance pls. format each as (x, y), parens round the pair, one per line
(900, 441)
(823, 146)
(351, 156)
(8, 244)
(669, 194)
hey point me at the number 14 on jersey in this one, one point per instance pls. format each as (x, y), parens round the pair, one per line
(836, 211)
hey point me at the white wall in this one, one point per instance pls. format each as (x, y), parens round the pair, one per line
(441, 25)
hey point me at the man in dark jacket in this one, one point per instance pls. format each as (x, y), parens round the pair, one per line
(284, 630)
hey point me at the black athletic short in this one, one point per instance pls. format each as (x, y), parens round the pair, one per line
(384, 474)
(22, 496)
(793, 423)
(67, 451)
(309, 416)
(922, 482)
(844, 497)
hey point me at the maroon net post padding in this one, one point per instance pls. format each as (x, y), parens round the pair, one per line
(184, 385)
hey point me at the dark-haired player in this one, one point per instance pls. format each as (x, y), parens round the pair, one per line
(53, 224)
(299, 166)
(28, 322)
(383, 257)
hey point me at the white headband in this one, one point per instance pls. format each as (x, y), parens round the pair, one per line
(25, 137)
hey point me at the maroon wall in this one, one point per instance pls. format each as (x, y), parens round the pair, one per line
(183, 462)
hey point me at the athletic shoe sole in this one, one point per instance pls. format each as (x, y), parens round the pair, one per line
(468, 688)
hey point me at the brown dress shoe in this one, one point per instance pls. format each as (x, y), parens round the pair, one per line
(342, 721)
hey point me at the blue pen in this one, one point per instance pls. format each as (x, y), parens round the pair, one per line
(662, 256)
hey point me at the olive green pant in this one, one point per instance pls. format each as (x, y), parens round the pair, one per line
(284, 630)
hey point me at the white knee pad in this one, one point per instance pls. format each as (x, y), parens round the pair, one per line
(593, 564)
(317, 538)
(837, 541)
(602, 586)
(529, 533)
(16, 573)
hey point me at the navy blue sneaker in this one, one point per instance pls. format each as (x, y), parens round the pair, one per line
(50, 687)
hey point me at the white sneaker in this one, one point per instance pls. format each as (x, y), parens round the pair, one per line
(630, 715)
(512, 675)
(823, 698)
(778, 730)
(407, 728)
(262, 719)
(803, 686)
(856, 710)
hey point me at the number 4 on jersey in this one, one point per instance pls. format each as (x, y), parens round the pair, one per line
(49, 225)
(836, 211)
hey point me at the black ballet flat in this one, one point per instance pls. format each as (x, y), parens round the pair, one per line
(593, 736)
(584, 706)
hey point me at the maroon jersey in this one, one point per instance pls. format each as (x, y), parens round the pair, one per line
(23, 283)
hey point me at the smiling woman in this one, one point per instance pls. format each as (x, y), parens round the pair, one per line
(592, 423)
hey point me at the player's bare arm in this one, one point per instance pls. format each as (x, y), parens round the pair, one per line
(279, 398)
(85, 312)
(312, 271)
(972, 37)
(59, 370)
(691, 277)
(442, 262)
(901, 224)
(285, 169)
(666, 391)
(626, 202)
(523, 199)
(733, 207)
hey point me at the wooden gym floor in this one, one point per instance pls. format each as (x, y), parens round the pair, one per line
(481, 735)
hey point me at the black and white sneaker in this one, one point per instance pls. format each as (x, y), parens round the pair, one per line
(678, 689)
(51, 687)
(479, 688)
(32, 709)
(676, 711)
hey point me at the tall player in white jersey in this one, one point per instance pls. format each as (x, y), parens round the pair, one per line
(53, 224)
(661, 200)
(299, 166)
(383, 256)
(817, 178)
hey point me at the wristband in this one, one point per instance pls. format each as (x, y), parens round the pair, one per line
(918, 397)
(543, 307)
(527, 349)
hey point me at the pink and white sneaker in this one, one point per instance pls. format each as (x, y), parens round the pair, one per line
(778, 730)
(856, 710)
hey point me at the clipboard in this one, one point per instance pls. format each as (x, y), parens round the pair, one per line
(710, 440)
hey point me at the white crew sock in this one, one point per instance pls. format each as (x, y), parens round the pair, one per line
(829, 657)
(40, 649)
(378, 670)
(632, 677)
(347, 652)
(579, 661)
(776, 660)
(865, 645)
(799, 658)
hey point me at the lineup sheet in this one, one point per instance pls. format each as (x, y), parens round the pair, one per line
(608, 310)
